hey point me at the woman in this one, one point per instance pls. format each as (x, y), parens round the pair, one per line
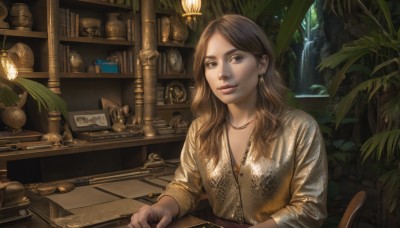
(260, 162)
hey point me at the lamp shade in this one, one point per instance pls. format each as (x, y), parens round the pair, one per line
(192, 10)
(7, 66)
(191, 7)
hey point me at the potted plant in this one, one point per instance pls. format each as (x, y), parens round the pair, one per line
(44, 97)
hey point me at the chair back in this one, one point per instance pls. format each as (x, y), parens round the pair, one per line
(351, 213)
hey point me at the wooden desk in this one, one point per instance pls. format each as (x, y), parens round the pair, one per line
(36, 222)
(46, 211)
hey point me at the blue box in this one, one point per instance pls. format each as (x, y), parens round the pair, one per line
(107, 66)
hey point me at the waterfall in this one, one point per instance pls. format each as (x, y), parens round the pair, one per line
(307, 70)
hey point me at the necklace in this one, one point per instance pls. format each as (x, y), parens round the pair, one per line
(236, 170)
(239, 127)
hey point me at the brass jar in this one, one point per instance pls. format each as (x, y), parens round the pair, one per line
(115, 28)
(75, 61)
(21, 17)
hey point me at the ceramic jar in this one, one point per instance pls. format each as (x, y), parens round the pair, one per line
(180, 31)
(13, 117)
(75, 61)
(22, 56)
(90, 27)
(14, 193)
(165, 29)
(21, 17)
(115, 28)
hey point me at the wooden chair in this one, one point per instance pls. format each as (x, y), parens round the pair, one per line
(351, 213)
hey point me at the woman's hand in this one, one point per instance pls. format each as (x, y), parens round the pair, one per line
(270, 223)
(160, 213)
(150, 215)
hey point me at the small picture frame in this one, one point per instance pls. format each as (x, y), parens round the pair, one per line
(94, 120)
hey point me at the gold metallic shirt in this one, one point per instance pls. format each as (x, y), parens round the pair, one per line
(289, 185)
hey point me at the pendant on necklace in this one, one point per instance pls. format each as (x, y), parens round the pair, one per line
(240, 127)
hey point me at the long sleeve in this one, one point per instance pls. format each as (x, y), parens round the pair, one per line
(186, 185)
(307, 206)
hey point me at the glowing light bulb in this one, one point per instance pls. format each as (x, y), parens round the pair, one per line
(8, 67)
(192, 10)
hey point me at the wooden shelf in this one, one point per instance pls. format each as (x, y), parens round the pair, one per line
(172, 44)
(96, 75)
(89, 147)
(173, 106)
(174, 76)
(98, 4)
(50, 63)
(94, 40)
(33, 74)
(21, 33)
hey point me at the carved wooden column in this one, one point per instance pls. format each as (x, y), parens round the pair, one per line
(148, 58)
(138, 92)
(54, 118)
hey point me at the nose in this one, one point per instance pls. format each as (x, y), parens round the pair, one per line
(222, 76)
(223, 71)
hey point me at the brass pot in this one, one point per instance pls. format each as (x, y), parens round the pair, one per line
(115, 28)
(22, 55)
(14, 193)
(21, 17)
(90, 27)
(179, 29)
(76, 62)
(13, 117)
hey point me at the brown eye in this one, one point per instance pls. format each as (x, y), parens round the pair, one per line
(210, 64)
(236, 58)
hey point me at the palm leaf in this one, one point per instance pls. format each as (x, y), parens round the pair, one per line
(391, 112)
(386, 12)
(339, 7)
(371, 86)
(387, 142)
(252, 9)
(398, 33)
(391, 183)
(43, 95)
(290, 24)
(7, 94)
(352, 52)
(171, 4)
(386, 64)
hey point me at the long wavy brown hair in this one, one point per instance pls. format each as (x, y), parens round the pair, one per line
(247, 36)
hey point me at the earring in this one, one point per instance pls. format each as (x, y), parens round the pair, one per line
(260, 80)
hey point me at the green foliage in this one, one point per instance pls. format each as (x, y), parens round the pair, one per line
(44, 97)
(379, 52)
(375, 44)
(7, 94)
(340, 7)
(368, 89)
(170, 5)
(382, 146)
(135, 5)
(319, 89)
(290, 24)
(391, 180)
(339, 150)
